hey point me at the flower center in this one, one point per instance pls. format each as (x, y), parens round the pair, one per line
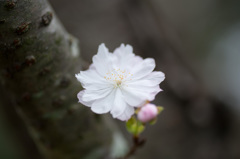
(118, 82)
(117, 77)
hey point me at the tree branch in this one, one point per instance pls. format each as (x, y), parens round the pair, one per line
(38, 60)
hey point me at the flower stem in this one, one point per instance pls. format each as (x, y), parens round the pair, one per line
(137, 142)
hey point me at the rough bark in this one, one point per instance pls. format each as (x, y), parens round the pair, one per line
(38, 60)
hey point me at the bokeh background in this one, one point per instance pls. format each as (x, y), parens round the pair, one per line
(196, 43)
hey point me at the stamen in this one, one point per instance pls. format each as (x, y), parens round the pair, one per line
(118, 76)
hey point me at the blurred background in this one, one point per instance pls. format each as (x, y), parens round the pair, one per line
(195, 43)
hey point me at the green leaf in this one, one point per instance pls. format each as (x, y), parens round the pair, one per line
(140, 128)
(160, 109)
(134, 126)
(131, 125)
(152, 122)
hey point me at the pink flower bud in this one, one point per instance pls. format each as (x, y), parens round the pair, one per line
(147, 113)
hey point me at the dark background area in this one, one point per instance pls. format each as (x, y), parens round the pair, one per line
(195, 43)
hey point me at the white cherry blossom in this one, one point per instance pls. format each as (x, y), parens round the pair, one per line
(119, 81)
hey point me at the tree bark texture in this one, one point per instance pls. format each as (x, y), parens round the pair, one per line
(38, 60)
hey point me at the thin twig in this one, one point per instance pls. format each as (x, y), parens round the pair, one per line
(137, 142)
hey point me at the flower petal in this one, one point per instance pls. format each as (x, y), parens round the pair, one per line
(79, 95)
(134, 97)
(142, 90)
(123, 50)
(156, 77)
(147, 113)
(153, 79)
(148, 86)
(143, 68)
(126, 59)
(103, 105)
(127, 113)
(103, 61)
(90, 95)
(90, 76)
(124, 55)
(118, 105)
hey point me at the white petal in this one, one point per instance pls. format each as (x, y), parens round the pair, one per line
(79, 95)
(98, 86)
(124, 55)
(90, 76)
(126, 115)
(127, 60)
(134, 97)
(143, 68)
(124, 51)
(102, 50)
(143, 89)
(148, 86)
(103, 105)
(136, 60)
(153, 92)
(153, 79)
(103, 61)
(119, 104)
(90, 95)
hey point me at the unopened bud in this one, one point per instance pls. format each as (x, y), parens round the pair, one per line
(147, 113)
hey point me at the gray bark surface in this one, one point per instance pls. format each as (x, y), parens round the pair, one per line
(38, 62)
